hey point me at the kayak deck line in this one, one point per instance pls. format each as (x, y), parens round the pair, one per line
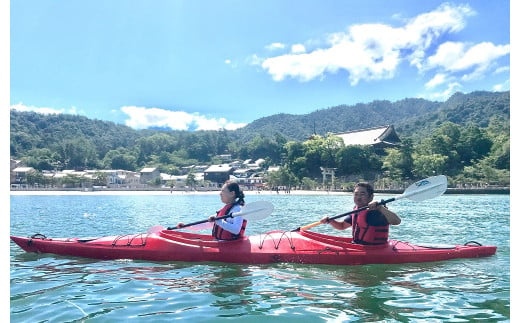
(118, 241)
(276, 245)
(209, 241)
(130, 239)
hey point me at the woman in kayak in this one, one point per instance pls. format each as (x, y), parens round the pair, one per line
(369, 226)
(230, 228)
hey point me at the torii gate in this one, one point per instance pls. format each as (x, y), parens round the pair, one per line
(329, 172)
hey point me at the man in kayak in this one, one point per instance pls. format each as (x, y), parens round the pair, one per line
(231, 228)
(370, 226)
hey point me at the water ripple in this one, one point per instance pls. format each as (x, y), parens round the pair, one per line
(46, 288)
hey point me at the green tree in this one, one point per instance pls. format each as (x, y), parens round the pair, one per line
(321, 152)
(308, 183)
(100, 179)
(392, 162)
(41, 159)
(499, 155)
(473, 145)
(398, 161)
(78, 153)
(293, 150)
(261, 147)
(299, 167)
(154, 144)
(443, 142)
(190, 180)
(329, 149)
(120, 158)
(35, 177)
(428, 165)
(282, 177)
(356, 159)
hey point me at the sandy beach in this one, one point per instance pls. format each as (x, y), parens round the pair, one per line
(167, 192)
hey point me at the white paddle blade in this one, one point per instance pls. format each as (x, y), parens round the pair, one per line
(426, 188)
(156, 229)
(256, 210)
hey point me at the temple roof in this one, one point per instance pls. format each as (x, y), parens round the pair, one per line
(381, 136)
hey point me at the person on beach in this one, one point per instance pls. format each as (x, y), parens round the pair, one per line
(370, 226)
(229, 228)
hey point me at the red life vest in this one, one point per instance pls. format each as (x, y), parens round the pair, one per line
(364, 233)
(220, 233)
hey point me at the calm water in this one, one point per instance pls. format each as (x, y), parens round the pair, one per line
(47, 288)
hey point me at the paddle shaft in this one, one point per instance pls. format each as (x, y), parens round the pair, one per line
(201, 221)
(252, 211)
(418, 189)
(383, 202)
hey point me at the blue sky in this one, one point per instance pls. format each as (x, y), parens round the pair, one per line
(222, 64)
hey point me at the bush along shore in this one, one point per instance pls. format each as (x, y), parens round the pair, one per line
(57, 190)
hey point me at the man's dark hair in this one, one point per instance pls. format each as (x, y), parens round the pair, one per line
(367, 186)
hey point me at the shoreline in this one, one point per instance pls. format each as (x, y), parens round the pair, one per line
(164, 192)
(502, 190)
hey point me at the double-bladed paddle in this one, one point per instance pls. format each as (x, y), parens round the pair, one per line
(256, 210)
(419, 191)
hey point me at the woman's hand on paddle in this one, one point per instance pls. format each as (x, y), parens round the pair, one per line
(201, 226)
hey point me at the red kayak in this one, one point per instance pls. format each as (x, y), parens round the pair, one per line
(304, 247)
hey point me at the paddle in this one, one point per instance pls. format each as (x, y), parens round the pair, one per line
(256, 210)
(419, 191)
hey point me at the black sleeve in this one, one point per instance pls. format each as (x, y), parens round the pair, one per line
(376, 218)
(348, 219)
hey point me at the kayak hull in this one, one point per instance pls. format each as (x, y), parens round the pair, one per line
(304, 247)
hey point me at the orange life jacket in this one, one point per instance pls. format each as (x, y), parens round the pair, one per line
(364, 233)
(220, 233)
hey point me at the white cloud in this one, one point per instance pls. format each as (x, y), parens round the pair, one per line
(473, 60)
(502, 87)
(298, 48)
(437, 80)
(142, 118)
(421, 31)
(230, 63)
(254, 60)
(44, 110)
(374, 52)
(444, 95)
(502, 69)
(275, 46)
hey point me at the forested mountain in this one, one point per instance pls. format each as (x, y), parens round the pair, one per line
(341, 118)
(477, 108)
(409, 116)
(34, 130)
(479, 119)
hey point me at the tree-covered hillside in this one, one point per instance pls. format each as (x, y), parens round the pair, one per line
(477, 108)
(467, 133)
(31, 130)
(409, 116)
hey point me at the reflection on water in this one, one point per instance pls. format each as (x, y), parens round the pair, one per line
(374, 292)
(46, 288)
